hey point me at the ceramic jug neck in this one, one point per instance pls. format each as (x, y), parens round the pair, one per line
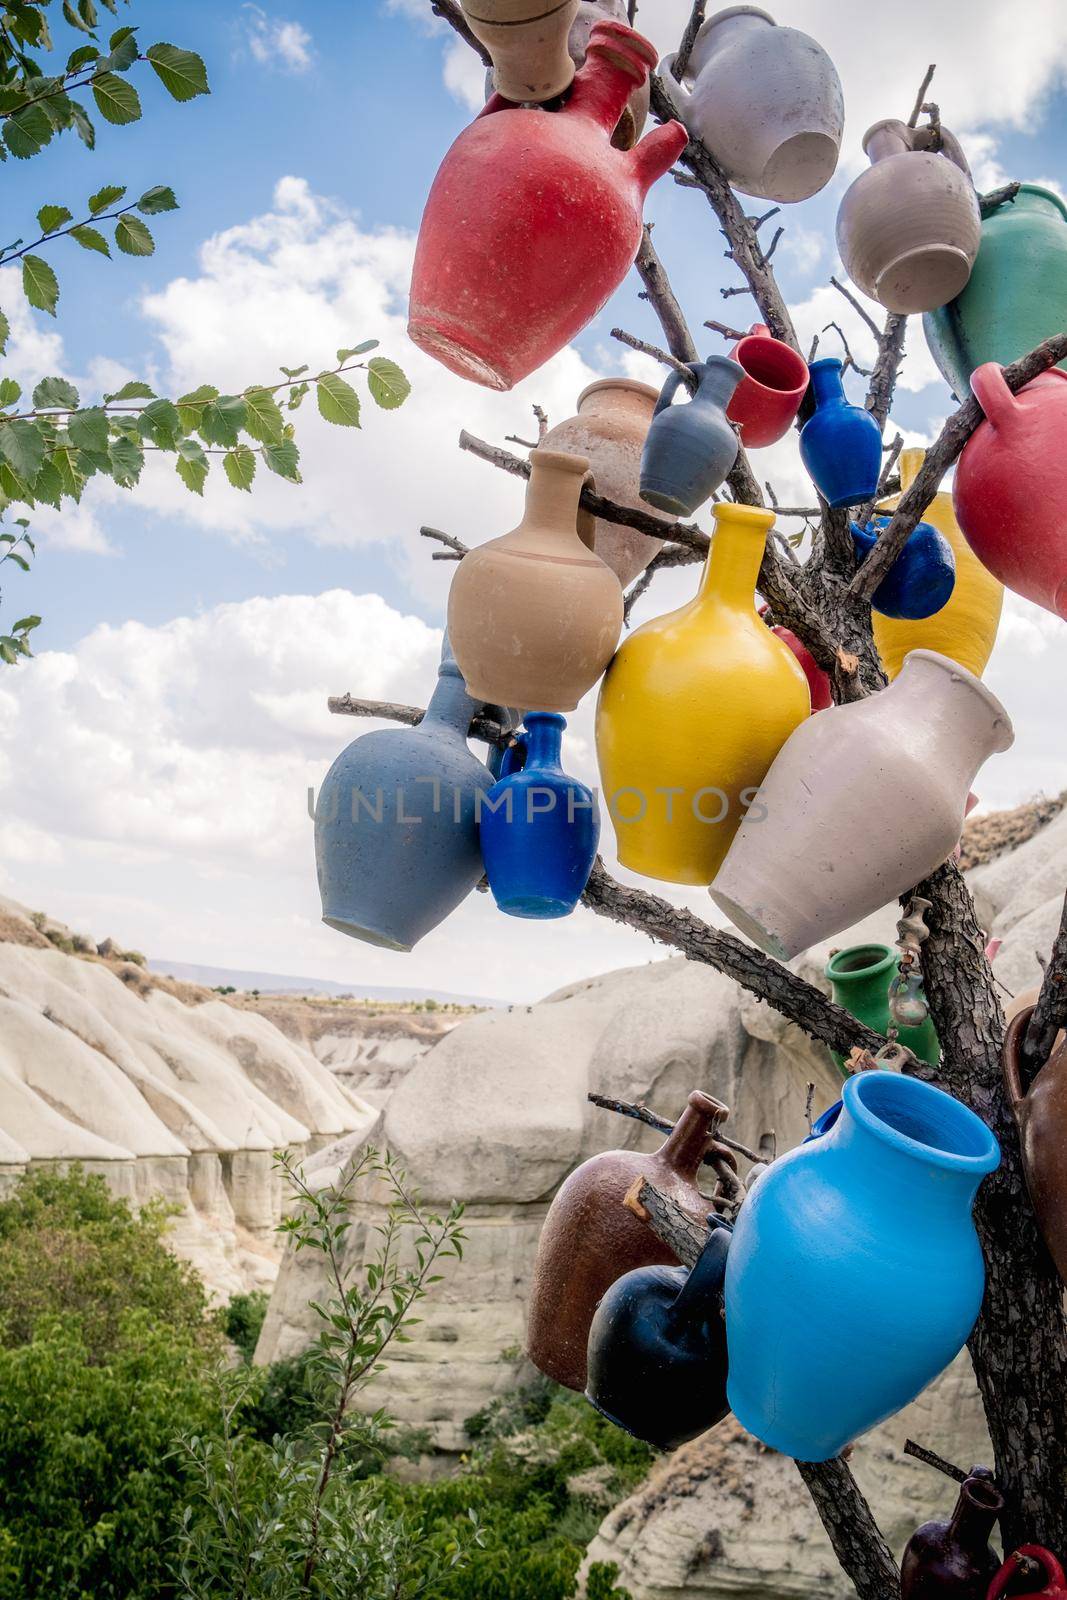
(617, 60)
(733, 564)
(450, 705)
(977, 1509)
(544, 738)
(553, 492)
(910, 466)
(718, 377)
(686, 1145)
(826, 381)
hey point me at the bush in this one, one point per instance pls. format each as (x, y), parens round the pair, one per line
(242, 1320)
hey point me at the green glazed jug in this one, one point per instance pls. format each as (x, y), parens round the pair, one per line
(1017, 293)
(860, 977)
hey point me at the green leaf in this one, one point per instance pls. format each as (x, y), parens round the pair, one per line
(191, 405)
(88, 13)
(22, 447)
(264, 421)
(91, 239)
(127, 459)
(192, 464)
(134, 390)
(40, 284)
(75, 21)
(222, 419)
(387, 383)
(159, 198)
(338, 401)
(133, 238)
(296, 396)
(83, 123)
(24, 624)
(283, 459)
(27, 132)
(9, 391)
(89, 430)
(7, 650)
(122, 55)
(240, 465)
(81, 57)
(181, 73)
(161, 424)
(5, 332)
(48, 486)
(358, 350)
(293, 372)
(105, 197)
(56, 392)
(65, 461)
(116, 99)
(52, 217)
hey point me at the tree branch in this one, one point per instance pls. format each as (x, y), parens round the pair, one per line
(449, 11)
(345, 705)
(1050, 1012)
(662, 299)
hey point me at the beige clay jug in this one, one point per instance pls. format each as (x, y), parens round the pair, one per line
(536, 612)
(909, 228)
(527, 40)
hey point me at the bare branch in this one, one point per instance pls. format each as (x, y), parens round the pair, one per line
(672, 555)
(450, 12)
(919, 1453)
(640, 1113)
(1050, 1012)
(662, 299)
(685, 49)
(998, 197)
(857, 306)
(850, 360)
(657, 354)
(542, 422)
(727, 333)
(921, 96)
(344, 705)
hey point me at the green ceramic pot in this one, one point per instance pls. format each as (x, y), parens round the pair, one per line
(860, 977)
(1017, 294)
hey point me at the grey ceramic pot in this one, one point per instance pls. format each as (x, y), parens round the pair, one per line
(396, 827)
(691, 447)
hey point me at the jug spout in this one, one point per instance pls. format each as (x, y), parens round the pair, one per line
(657, 153)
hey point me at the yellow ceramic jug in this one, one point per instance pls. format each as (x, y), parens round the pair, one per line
(965, 629)
(693, 709)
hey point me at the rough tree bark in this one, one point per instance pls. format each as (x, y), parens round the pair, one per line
(1019, 1346)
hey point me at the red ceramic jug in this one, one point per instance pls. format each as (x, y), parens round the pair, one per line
(818, 680)
(1010, 493)
(1054, 1589)
(768, 397)
(534, 219)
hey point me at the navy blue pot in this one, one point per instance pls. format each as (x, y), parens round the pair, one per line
(921, 579)
(840, 444)
(657, 1362)
(539, 828)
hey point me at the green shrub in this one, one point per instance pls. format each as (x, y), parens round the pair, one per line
(242, 1320)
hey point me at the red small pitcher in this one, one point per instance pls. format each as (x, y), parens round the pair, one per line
(769, 395)
(1055, 1587)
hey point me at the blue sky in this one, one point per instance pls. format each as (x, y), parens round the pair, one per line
(186, 638)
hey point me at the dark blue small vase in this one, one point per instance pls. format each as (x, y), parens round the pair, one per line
(840, 444)
(539, 828)
(657, 1363)
(921, 579)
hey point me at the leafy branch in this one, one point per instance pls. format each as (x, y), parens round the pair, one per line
(19, 549)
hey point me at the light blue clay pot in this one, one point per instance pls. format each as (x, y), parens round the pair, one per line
(855, 1275)
(691, 447)
(396, 830)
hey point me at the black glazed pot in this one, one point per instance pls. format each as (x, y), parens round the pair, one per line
(657, 1362)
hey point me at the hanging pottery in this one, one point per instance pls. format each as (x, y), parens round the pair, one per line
(657, 1348)
(862, 803)
(859, 1240)
(537, 612)
(693, 710)
(859, 978)
(768, 397)
(610, 428)
(766, 101)
(539, 828)
(1011, 483)
(840, 444)
(1041, 1113)
(1017, 294)
(690, 448)
(534, 220)
(590, 1238)
(819, 686)
(396, 831)
(966, 626)
(528, 41)
(953, 1560)
(908, 229)
(921, 579)
(1006, 1580)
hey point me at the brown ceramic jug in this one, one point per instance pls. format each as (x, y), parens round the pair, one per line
(590, 1239)
(536, 612)
(953, 1560)
(610, 428)
(1041, 1113)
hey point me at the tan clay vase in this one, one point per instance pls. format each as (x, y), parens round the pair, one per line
(590, 1239)
(537, 612)
(527, 40)
(610, 428)
(1041, 1113)
(909, 228)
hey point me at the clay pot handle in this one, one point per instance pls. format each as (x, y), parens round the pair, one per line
(1010, 1570)
(514, 758)
(676, 91)
(944, 143)
(585, 522)
(670, 387)
(993, 394)
(1010, 1058)
(707, 1274)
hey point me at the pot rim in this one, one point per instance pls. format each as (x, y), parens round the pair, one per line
(633, 385)
(756, 519)
(947, 1115)
(956, 670)
(1039, 189)
(886, 957)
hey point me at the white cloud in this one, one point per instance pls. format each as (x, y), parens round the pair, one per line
(276, 42)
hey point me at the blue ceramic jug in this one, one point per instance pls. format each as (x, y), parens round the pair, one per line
(540, 828)
(840, 444)
(855, 1274)
(921, 579)
(396, 830)
(690, 448)
(657, 1348)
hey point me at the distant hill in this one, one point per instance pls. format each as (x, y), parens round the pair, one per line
(279, 983)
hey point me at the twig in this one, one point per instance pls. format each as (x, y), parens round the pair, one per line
(920, 1453)
(921, 96)
(856, 306)
(809, 1106)
(998, 197)
(345, 705)
(657, 354)
(449, 11)
(640, 1113)
(727, 333)
(455, 548)
(542, 422)
(850, 360)
(1050, 1012)
(662, 299)
(864, 513)
(685, 49)
(672, 555)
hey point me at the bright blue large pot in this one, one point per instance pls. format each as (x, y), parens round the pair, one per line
(540, 828)
(920, 581)
(840, 444)
(855, 1275)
